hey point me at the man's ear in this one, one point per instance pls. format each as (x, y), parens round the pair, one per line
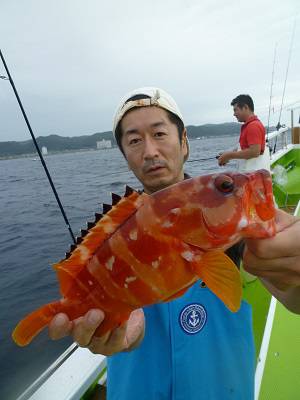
(184, 142)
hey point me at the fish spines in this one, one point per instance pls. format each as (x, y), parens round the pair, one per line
(115, 198)
(79, 239)
(106, 208)
(84, 232)
(101, 229)
(128, 191)
(90, 225)
(98, 216)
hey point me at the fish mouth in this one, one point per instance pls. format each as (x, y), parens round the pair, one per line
(260, 210)
(263, 196)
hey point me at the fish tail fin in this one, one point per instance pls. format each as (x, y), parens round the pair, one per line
(35, 322)
(222, 277)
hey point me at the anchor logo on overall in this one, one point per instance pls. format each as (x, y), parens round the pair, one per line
(192, 318)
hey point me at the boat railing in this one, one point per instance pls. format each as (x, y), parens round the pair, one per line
(69, 377)
(280, 132)
(278, 139)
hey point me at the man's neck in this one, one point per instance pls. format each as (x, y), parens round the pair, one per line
(249, 116)
(149, 191)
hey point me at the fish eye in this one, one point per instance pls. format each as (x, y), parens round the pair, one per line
(224, 183)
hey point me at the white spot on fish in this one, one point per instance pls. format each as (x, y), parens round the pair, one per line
(188, 255)
(239, 192)
(90, 283)
(243, 223)
(110, 262)
(167, 224)
(108, 226)
(175, 211)
(133, 234)
(155, 264)
(210, 184)
(130, 279)
(261, 195)
(232, 238)
(84, 252)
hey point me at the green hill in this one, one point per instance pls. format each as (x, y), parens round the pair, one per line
(56, 143)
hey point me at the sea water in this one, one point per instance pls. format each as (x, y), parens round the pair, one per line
(33, 236)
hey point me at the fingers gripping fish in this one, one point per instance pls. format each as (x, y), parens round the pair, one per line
(148, 249)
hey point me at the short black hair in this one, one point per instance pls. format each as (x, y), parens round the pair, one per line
(243, 100)
(172, 117)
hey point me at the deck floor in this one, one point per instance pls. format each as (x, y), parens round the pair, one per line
(282, 368)
(293, 185)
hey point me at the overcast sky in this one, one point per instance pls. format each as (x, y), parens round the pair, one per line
(72, 60)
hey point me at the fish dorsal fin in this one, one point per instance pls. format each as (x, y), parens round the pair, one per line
(90, 225)
(128, 191)
(221, 276)
(106, 208)
(84, 232)
(79, 239)
(98, 216)
(92, 238)
(115, 198)
(72, 247)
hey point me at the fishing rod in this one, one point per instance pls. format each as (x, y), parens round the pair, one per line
(36, 146)
(287, 70)
(278, 126)
(271, 93)
(203, 159)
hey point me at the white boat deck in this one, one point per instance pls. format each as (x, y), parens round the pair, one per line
(69, 377)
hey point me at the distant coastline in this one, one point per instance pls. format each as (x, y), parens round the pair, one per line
(35, 156)
(61, 144)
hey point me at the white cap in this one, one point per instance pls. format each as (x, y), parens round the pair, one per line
(157, 97)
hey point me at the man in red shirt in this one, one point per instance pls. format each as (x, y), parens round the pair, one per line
(252, 137)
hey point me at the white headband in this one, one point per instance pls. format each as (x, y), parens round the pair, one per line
(156, 97)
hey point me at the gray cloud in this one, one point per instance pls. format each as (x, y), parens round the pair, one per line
(71, 60)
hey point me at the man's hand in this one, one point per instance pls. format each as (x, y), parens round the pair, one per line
(246, 154)
(276, 260)
(224, 158)
(124, 338)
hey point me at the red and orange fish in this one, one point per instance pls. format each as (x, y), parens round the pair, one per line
(151, 248)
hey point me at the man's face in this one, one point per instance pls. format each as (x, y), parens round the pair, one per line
(240, 113)
(152, 148)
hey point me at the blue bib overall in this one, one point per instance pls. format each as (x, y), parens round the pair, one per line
(194, 349)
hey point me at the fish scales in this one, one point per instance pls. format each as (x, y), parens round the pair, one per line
(148, 249)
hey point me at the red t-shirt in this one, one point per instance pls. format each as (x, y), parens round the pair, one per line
(253, 132)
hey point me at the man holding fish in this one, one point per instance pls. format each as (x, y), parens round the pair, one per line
(191, 347)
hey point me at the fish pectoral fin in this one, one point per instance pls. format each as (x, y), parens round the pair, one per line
(221, 276)
(177, 294)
